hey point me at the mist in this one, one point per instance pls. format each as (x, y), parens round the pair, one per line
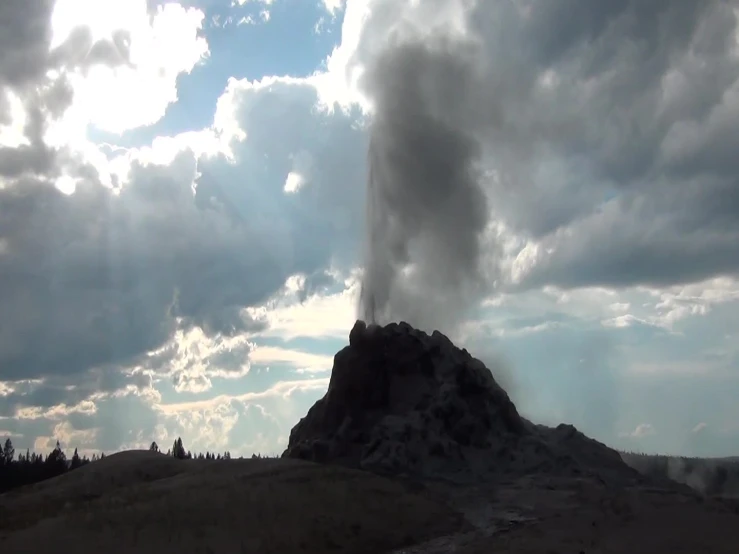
(426, 210)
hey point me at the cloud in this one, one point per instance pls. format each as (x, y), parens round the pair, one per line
(604, 133)
(102, 277)
(303, 362)
(640, 431)
(300, 313)
(158, 48)
(333, 6)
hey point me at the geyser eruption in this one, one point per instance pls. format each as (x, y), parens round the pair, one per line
(425, 207)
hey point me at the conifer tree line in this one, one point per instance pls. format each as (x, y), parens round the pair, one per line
(178, 451)
(17, 470)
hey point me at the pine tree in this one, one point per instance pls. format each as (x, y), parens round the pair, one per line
(154, 447)
(8, 451)
(76, 462)
(178, 451)
(57, 460)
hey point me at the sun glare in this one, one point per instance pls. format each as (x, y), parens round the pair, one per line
(103, 17)
(66, 184)
(293, 182)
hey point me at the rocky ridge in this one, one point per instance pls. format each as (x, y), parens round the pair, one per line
(403, 402)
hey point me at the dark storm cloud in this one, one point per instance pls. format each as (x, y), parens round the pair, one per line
(93, 278)
(25, 36)
(574, 103)
(640, 86)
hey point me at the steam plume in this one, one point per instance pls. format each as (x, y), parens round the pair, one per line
(425, 207)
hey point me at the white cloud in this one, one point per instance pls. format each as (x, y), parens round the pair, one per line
(626, 320)
(303, 362)
(243, 2)
(318, 316)
(192, 358)
(281, 389)
(264, 17)
(640, 431)
(696, 299)
(68, 437)
(700, 427)
(333, 6)
(137, 94)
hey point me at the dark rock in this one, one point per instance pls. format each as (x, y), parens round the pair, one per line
(357, 333)
(403, 402)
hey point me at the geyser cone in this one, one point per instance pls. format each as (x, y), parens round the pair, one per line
(403, 402)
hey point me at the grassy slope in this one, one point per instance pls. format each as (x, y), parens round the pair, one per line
(144, 502)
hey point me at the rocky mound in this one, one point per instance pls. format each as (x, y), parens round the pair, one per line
(402, 402)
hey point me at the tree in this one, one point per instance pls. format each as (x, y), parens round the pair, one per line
(178, 451)
(76, 462)
(154, 447)
(56, 461)
(8, 451)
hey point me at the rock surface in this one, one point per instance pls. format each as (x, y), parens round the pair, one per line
(403, 402)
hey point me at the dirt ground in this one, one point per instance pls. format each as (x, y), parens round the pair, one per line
(132, 503)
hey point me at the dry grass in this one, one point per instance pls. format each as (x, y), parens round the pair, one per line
(142, 502)
(132, 505)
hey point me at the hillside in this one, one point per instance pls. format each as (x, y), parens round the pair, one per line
(239, 506)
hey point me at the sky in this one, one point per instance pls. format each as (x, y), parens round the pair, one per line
(182, 211)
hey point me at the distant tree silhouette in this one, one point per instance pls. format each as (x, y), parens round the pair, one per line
(178, 451)
(32, 467)
(57, 460)
(8, 451)
(76, 461)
